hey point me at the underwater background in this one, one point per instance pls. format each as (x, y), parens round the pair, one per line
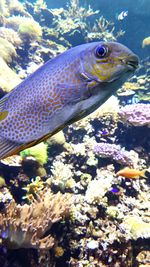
(82, 198)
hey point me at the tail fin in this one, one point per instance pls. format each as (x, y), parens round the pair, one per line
(143, 173)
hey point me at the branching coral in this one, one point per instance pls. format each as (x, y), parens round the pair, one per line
(26, 226)
(39, 4)
(136, 114)
(103, 29)
(73, 18)
(16, 6)
(9, 7)
(97, 189)
(4, 8)
(33, 188)
(61, 173)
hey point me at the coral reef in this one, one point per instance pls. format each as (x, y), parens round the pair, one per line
(39, 152)
(103, 29)
(26, 225)
(11, 36)
(136, 114)
(137, 227)
(73, 18)
(30, 30)
(108, 222)
(137, 89)
(115, 152)
(7, 50)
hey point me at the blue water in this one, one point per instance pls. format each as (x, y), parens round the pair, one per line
(136, 24)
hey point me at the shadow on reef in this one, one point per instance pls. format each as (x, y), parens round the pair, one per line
(132, 137)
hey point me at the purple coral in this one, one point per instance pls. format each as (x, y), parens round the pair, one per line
(115, 152)
(136, 114)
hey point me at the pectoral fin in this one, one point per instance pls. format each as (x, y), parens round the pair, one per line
(71, 93)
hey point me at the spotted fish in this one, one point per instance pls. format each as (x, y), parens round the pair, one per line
(62, 91)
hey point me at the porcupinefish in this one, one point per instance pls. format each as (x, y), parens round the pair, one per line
(131, 173)
(62, 91)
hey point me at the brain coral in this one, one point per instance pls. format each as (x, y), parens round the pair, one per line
(136, 114)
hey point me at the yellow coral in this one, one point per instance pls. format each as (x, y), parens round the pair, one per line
(130, 86)
(39, 152)
(137, 227)
(33, 188)
(57, 139)
(13, 22)
(146, 42)
(30, 29)
(2, 182)
(59, 251)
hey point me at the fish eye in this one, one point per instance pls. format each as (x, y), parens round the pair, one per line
(101, 51)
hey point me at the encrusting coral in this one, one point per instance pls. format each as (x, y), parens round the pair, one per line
(25, 226)
(136, 114)
(115, 152)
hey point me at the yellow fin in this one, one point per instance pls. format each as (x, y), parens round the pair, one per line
(3, 115)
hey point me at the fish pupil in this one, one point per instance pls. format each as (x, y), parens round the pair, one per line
(101, 51)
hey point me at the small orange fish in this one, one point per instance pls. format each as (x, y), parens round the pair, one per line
(131, 173)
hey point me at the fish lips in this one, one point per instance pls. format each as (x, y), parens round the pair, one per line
(132, 62)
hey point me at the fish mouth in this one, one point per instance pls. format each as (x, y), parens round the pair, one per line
(132, 62)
